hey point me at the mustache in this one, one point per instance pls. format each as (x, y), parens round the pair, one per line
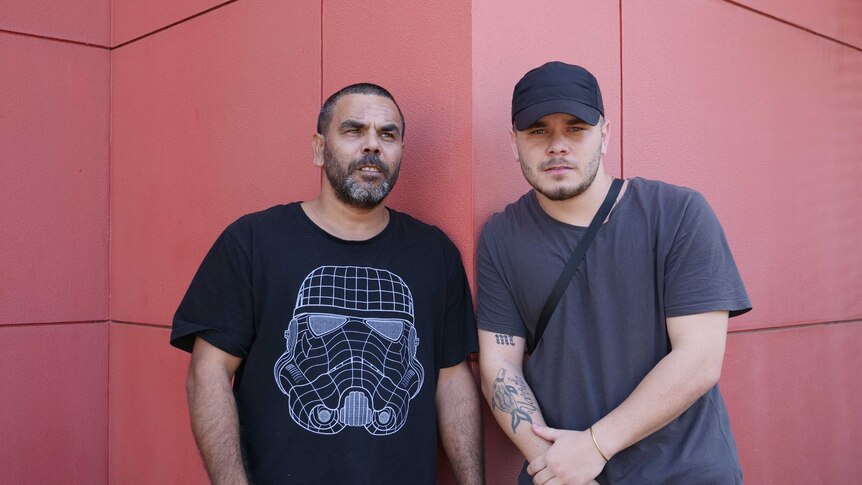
(558, 162)
(369, 159)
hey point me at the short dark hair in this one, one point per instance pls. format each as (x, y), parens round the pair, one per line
(328, 107)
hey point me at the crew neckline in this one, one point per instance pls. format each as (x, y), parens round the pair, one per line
(534, 203)
(390, 226)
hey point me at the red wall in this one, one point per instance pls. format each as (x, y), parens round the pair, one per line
(54, 125)
(210, 106)
(206, 126)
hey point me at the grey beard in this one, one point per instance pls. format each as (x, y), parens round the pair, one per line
(356, 193)
(361, 195)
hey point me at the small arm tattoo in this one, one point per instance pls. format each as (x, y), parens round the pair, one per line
(503, 339)
(513, 398)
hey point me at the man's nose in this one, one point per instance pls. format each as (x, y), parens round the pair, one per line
(558, 146)
(372, 145)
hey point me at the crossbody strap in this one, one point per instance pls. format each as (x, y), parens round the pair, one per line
(573, 264)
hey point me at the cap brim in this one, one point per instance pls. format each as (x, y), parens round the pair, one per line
(529, 115)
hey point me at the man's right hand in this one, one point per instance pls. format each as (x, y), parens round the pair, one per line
(572, 459)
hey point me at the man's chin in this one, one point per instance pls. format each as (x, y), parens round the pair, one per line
(362, 202)
(558, 194)
(365, 205)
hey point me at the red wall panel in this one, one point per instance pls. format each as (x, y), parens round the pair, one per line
(54, 404)
(150, 438)
(509, 39)
(795, 402)
(422, 56)
(771, 139)
(131, 18)
(54, 100)
(211, 119)
(87, 21)
(839, 19)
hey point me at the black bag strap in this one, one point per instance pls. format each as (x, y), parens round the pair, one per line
(574, 263)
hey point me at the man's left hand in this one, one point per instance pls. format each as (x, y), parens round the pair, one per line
(572, 459)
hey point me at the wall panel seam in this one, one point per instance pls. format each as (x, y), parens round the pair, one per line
(321, 52)
(108, 412)
(45, 324)
(55, 39)
(792, 24)
(178, 22)
(622, 93)
(777, 328)
(110, 237)
(141, 324)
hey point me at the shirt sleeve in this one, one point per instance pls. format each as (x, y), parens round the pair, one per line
(700, 273)
(218, 304)
(498, 311)
(459, 334)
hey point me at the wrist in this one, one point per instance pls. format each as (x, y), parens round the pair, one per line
(603, 440)
(597, 446)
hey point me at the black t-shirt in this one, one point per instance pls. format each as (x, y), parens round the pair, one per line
(341, 343)
(661, 254)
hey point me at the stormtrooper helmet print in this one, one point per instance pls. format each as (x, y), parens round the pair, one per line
(350, 357)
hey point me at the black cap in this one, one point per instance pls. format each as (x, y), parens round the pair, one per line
(556, 87)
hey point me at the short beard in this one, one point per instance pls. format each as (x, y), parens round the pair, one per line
(353, 192)
(566, 192)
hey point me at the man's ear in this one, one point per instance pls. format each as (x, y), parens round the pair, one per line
(318, 146)
(606, 136)
(513, 138)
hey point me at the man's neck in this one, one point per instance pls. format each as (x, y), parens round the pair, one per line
(579, 210)
(344, 221)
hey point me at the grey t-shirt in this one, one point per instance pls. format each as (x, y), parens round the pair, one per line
(661, 254)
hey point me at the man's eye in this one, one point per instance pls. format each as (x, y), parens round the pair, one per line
(387, 136)
(576, 128)
(540, 131)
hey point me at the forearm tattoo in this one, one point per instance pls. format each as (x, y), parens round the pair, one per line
(512, 396)
(503, 339)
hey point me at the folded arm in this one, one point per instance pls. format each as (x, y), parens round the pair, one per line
(691, 368)
(687, 372)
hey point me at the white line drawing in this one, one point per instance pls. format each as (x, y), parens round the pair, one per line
(350, 357)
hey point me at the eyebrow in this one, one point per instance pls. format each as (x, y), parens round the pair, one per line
(351, 124)
(354, 124)
(391, 128)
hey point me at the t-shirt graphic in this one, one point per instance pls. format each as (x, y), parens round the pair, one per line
(350, 359)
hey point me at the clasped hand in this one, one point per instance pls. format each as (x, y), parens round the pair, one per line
(572, 458)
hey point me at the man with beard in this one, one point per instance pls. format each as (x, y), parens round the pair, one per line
(344, 326)
(621, 383)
